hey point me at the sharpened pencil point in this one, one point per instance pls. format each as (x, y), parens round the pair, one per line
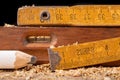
(33, 60)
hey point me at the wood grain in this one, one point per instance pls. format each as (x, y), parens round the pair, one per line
(14, 38)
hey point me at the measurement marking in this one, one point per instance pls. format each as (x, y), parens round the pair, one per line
(73, 16)
(72, 62)
(107, 49)
(84, 51)
(101, 16)
(59, 17)
(115, 16)
(63, 57)
(87, 16)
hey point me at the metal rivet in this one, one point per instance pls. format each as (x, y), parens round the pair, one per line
(44, 15)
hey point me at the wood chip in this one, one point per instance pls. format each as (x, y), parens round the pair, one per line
(43, 72)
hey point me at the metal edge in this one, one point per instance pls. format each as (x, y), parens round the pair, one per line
(54, 59)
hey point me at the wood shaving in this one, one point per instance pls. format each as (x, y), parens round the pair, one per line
(9, 25)
(43, 72)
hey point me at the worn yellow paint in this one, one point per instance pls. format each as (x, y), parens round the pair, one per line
(79, 15)
(90, 53)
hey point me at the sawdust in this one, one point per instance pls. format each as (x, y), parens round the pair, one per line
(9, 25)
(43, 72)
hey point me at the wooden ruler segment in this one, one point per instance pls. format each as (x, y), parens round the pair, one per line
(85, 54)
(79, 15)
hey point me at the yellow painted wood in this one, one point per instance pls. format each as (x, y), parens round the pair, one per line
(86, 54)
(79, 15)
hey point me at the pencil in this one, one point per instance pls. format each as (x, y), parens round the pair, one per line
(14, 59)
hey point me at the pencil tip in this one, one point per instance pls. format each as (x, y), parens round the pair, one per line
(33, 60)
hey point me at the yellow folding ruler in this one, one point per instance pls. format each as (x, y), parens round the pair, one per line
(85, 54)
(79, 15)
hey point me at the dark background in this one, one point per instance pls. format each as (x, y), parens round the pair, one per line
(8, 8)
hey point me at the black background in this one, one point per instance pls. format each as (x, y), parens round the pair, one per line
(8, 8)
